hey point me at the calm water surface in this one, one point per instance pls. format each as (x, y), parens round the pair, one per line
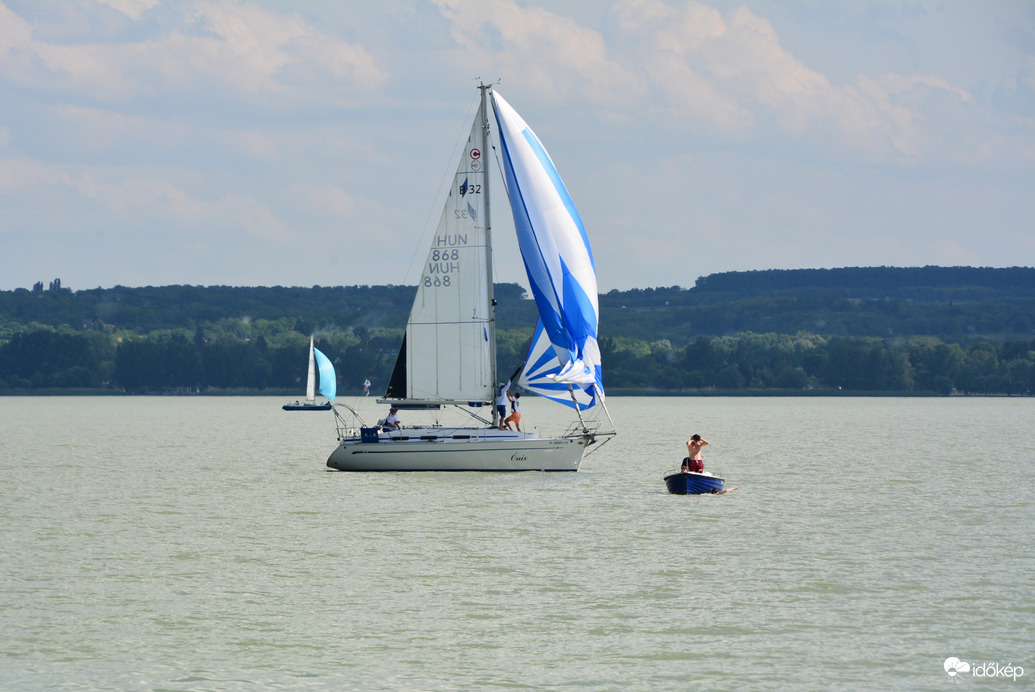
(200, 544)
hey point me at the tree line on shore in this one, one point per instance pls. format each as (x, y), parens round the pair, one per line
(968, 330)
(173, 361)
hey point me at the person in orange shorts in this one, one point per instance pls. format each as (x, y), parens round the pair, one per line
(515, 405)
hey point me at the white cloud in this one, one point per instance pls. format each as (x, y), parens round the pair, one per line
(552, 54)
(328, 201)
(17, 174)
(15, 34)
(241, 48)
(212, 142)
(707, 70)
(139, 197)
(131, 8)
(1027, 76)
(731, 75)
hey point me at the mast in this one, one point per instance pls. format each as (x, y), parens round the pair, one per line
(488, 249)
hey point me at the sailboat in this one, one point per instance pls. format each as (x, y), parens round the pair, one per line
(447, 360)
(328, 385)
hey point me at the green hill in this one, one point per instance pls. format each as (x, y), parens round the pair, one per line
(858, 329)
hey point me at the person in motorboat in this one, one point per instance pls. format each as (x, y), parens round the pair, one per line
(693, 463)
(515, 406)
(392, 421)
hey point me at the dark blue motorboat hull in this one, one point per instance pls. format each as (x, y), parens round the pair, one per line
(693, 483)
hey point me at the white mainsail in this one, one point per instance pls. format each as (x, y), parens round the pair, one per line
(448, 348)
(310, 382)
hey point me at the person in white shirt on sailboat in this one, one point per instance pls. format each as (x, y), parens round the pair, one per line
(392, 421)
(502, 395)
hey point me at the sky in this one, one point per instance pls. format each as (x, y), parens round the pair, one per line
(308, 142)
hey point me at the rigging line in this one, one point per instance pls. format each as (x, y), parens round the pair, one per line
(453, 159)
(472, 414)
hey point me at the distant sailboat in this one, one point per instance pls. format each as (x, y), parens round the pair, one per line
(448, 355)
(328, 385)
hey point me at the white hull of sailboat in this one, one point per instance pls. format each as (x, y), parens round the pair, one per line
(460, 450)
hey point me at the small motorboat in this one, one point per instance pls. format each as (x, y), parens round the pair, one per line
(694, 483)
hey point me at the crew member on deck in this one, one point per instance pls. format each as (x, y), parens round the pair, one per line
(392, 421)
(502, 395)
(514, 417)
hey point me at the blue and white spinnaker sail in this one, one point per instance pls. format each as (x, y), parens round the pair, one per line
(556, 253)
(328, 381)
(539, 375)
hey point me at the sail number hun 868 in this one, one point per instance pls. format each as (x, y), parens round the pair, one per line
(441, 264)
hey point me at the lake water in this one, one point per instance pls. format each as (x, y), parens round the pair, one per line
(200, 544)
